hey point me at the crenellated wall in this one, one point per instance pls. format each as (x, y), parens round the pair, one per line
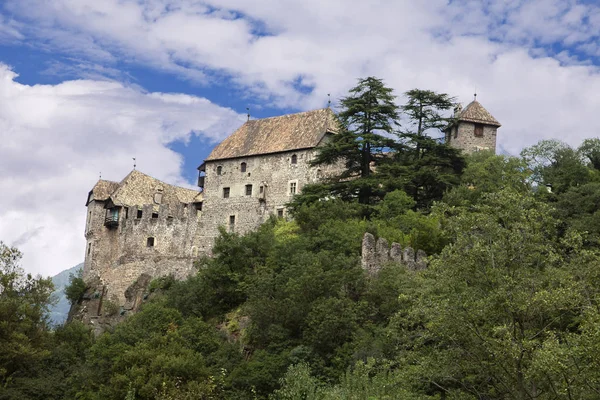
(375, 253)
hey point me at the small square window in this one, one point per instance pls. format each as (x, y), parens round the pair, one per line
(226, 192)
(139, 213)
(248, 190)
(293, 186)
(154, 215)
(150, 242)
(280, 213)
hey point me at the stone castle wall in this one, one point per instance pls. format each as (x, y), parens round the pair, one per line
(275, 173)
(468, 142)
(375, 253)
(119, 255)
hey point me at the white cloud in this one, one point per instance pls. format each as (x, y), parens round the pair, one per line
(530, 61)
(57, 138)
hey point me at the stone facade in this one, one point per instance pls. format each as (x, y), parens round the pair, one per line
(462, 136)
(127, 236)
(256, 188)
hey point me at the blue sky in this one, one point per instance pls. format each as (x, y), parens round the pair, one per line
(85, 85)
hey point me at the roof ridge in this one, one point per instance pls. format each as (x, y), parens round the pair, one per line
(290, 115)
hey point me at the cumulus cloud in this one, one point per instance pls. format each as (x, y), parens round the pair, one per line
(292, 53)
(533, 64)
(56, 139)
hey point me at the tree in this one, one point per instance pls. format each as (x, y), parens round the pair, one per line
(590, 149)
(489, 173)
(24, 302)
(497, 297)
(368, 118)
(76, 287)
(424, 110)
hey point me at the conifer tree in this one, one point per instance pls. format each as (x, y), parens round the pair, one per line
(424, 109)
(368, 119)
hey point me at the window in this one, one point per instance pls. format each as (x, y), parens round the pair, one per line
(89, 248)
(260, 190)
(293, 188)
(154, 215)
(280, 213)
(248, 190)
(231, 223)
(150, 242)
(478, 130)
(226, 192)
(219, 170)
(126, 212)
(243, 167)
(294, 159)
(139, 213)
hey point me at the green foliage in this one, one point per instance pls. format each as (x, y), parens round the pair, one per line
(424, 109)
(76, 287)
(161, 283)
(24, 303)
(367, 120)
(110, 308)
(378, 158)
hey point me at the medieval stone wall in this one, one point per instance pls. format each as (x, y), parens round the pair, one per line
(375, 253)
(276, 174)
(119, 255)
(468, 142)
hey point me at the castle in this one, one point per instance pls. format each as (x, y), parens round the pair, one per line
(142, 227)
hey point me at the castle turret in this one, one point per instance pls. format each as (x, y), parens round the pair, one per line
(474, 129)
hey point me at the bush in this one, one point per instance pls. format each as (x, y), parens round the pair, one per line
(76, 288)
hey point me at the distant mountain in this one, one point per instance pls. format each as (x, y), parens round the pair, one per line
(58, 313)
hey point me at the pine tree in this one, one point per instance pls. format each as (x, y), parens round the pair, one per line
(368, 119)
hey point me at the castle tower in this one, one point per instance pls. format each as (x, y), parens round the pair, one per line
(473, 129)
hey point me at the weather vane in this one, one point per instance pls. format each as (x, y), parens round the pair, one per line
(475, 95)
(134, 163)
(328, 100)
(248, 112)
(100, 177)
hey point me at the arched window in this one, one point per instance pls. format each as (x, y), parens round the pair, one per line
(243, 167)
(219, 170)
(294, 159)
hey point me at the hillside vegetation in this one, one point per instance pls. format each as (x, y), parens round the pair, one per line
(508, 307)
